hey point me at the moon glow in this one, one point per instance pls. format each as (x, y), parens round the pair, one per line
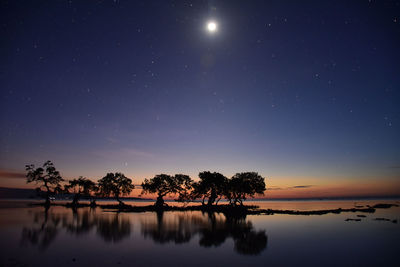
(211, 26)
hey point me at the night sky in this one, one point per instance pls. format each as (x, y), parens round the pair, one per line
(307, 93)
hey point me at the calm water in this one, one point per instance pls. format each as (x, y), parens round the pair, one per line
(30, 236)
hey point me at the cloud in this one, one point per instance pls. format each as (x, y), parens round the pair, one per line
(291, 187)
(11, 174)
(301, 186)
(394, 167)
(274, 188)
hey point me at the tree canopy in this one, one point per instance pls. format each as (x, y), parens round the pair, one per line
(80, 187)
(115, 184)
(164, 184)
(47, 176)
(211, 186)
(243, 185)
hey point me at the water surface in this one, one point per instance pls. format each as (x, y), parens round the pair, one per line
(32, 236)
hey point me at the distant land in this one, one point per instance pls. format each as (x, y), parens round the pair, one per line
(17, 193)
(328, 198)
(20, 193)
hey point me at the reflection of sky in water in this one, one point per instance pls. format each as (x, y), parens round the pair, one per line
(108, 238)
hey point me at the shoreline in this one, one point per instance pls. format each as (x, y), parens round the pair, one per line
(227, 210)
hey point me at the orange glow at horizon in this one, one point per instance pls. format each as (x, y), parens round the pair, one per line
(279, 187)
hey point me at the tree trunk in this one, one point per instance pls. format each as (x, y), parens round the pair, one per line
(93, 202)
(235, 201)
(119, 200)
(212, 198)
(159, 202)
(75, 200)
(47, 202)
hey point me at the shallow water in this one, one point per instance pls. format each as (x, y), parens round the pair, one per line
(30, 236)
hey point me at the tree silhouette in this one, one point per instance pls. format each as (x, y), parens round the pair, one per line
(48, 177)
(80, 187)
(115, 184)
(211, 186)
(164, 184)
(243, 185)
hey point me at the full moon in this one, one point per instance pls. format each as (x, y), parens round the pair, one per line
(212, 26)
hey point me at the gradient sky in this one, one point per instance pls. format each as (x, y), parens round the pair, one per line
(304, 92)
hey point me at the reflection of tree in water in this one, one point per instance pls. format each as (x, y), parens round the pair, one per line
(111, 228)
(42, 234)
(164, 232)
(251, 243)
(114, 229)
(81, 222)
(213, 231)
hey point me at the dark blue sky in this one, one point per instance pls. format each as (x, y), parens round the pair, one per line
(287, 88)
